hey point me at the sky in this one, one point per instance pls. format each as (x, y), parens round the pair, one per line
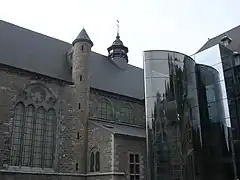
(179, 25)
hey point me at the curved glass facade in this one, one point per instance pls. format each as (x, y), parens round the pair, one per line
(187, 136)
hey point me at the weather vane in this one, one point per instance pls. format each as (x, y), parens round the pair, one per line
(117, 28)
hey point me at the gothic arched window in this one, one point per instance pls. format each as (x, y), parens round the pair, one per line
(33, 136)
(105, 109)
(49, 138)
(17, 132)
(127, 113)
(94, 161)
(27, 136)
(97, 161)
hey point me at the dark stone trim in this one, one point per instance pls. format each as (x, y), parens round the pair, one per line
(37, 76)
(116, 96)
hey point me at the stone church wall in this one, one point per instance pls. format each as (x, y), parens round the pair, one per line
(138, 110)
(100, 140)
(125, 145)
(12, 83)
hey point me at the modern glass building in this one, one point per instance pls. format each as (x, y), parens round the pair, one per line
(187, 117)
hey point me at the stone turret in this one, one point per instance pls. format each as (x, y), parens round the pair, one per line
(81, 50)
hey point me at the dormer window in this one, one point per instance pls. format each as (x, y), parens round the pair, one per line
(226, 40)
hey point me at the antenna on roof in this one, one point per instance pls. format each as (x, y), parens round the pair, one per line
(118, 29)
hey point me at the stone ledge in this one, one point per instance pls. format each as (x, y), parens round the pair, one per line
(63, 174)
(106, 174)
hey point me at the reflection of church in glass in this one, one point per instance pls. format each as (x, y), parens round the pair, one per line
(188, 139)
(166, 127)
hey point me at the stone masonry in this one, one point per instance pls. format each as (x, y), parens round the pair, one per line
(76, 136)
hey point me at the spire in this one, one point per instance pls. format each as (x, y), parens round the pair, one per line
(83, 37)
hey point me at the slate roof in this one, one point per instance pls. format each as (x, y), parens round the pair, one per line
(83, 36)
(38, 53)
(118, 129)
(234, 34)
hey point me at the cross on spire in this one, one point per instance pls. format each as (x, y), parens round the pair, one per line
(118, 29)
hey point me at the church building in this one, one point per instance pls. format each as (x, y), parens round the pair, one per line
(66, 112)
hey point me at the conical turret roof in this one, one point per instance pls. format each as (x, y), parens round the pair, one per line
(83, 37)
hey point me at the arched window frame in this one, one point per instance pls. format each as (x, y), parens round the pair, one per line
(105, 109)
(27, 136)
(18, 121)
(127, 113)
(97, 161)
(27, 148)
(94, 160)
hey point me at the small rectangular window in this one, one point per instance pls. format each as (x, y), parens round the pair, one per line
(76, 166)
(131, 158)
(136, 158)
(79, 106)
(80, 77)
(78, 135)
(134, 166)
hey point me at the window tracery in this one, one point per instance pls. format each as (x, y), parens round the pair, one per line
(127, 113)
(33, 129)
(105, 109)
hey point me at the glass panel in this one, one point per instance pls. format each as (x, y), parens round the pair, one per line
(17, 133)
(132, 177)
(38, 137)
(27, 138)
(131, 158)
(49, 136)
(132, 169)
(92, 162)
(137, 177)
(137, 169)
(97, 161)
(187, 111)
(136, 158)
